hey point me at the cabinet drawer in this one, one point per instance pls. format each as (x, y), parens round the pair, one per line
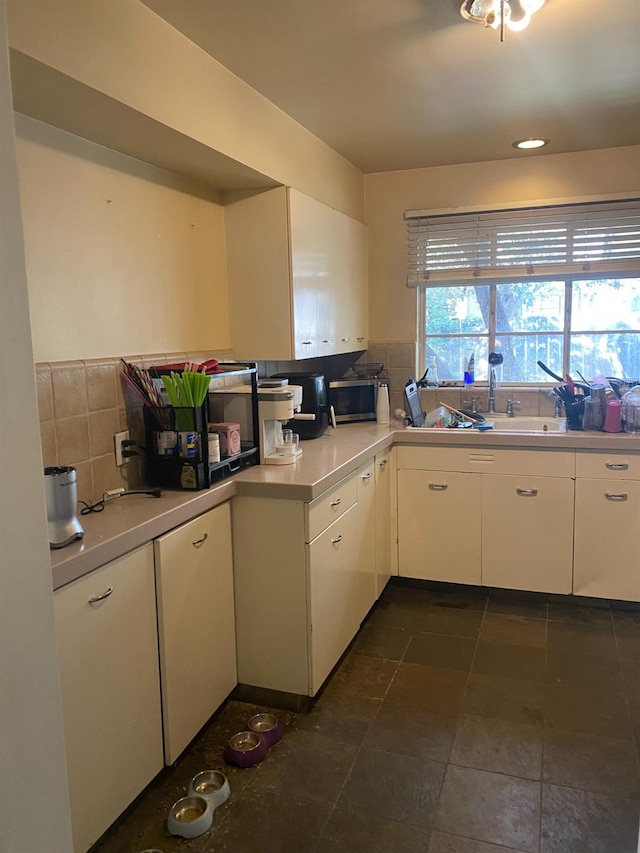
(544, 463)
(324, 510)
(608, 466)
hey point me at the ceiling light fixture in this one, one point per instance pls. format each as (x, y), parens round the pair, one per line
(514, 14)
(531, 142)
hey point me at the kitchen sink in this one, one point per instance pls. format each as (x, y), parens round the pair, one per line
(525, 423)
(519, 423)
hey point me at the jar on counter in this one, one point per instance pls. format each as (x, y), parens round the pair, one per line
(630, 410)
(229, 434)
(213, 447)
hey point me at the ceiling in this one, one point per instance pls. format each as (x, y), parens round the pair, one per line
(401, 84)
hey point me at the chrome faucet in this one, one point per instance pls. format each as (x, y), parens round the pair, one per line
(491, 408)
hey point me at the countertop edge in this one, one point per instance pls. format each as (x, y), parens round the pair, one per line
(130, 522)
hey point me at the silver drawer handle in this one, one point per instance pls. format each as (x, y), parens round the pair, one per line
(367, 476)
(438, 487)
(102, 597)
(337, 502)
(336, 540)
(359, 339)
(197, 542)
(611, 497)
(527, 493)
(383, 463)
(346, 340)
(307, 343)
(617, 466)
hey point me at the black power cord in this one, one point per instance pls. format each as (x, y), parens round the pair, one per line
(136, 449)
(99, 506)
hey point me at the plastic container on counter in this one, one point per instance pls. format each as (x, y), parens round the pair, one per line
(229, 435)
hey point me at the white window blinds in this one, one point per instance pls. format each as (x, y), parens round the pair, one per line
(538, 243)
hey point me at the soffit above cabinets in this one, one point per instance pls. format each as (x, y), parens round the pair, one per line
(47, 95)
(404, 84)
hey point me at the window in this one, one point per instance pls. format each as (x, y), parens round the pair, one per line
(559, 285)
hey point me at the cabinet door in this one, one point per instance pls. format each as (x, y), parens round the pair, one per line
(366, 481)
(335, 594)
(309, 268)
(196, 624)
(439, 526)
(352, 303)
(108, 651)
(527, 532)
(258, 238)
(383, 519)
(326, 280)
(605, 549)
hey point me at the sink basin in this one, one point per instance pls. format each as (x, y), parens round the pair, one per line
(525, 423)
(519, 423)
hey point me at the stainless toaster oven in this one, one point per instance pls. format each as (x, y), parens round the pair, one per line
(353, 399)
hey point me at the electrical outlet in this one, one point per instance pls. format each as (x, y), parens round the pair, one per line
(118, 438)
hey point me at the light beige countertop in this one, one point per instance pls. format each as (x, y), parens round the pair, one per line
(129, 522)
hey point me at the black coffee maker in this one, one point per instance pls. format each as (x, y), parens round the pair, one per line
(314, 402)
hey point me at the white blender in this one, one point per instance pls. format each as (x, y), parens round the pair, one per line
(275, 407)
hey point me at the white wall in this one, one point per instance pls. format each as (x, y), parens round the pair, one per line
(533, 179)
(122, 49)
(33, 789)
(122, 258)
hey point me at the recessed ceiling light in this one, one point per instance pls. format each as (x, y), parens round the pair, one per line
(526, 144)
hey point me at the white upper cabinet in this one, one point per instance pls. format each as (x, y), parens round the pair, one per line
(297, 273)
(352, 284)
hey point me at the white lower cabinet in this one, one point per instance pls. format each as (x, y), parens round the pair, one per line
(439, 526)
(107, 646)
(194, 575)
(607, 564)
(495, 517)
(305, 579)
(527, 532)
(336, 594)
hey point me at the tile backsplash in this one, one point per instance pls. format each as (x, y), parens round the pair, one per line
(82, 406)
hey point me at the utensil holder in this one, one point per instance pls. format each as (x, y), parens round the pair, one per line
(188, 466)
(575, 412)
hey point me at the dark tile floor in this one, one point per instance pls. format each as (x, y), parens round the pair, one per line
(458, 722)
